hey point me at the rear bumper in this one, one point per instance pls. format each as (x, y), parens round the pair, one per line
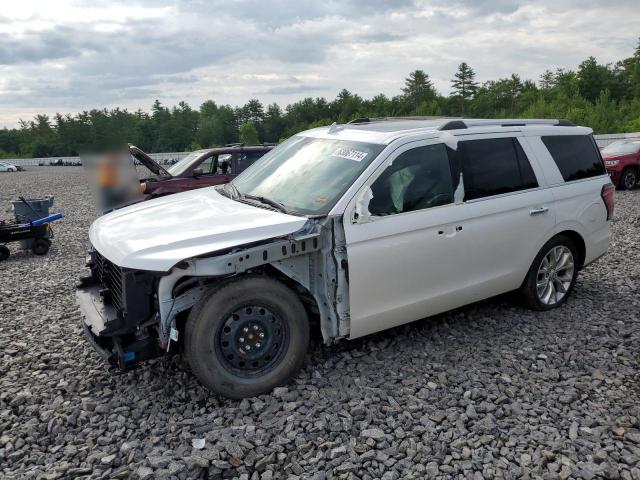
(598, 244)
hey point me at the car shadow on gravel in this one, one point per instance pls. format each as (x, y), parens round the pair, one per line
(440, 336)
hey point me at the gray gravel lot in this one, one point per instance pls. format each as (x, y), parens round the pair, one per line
(488, 391)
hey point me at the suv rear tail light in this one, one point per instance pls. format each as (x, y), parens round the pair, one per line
(607, 197)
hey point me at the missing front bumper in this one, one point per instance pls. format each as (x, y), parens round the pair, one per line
(123, 351)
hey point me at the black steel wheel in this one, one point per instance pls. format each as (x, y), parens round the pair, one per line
(4, 252)
(252, 340)
(247, 336)
(40, 246)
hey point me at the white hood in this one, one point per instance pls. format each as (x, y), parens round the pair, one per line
(157, 234)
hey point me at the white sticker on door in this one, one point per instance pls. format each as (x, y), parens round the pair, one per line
(349, 154)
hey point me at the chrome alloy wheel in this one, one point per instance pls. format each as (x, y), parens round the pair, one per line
(630, 179)
(555, 275)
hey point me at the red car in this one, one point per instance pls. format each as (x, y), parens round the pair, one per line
(202, 168)
(622, 159)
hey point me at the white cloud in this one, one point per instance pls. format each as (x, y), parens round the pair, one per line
(71, 55)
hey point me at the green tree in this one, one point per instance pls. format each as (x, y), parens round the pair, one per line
(464, 83)
(418, 89)
(594, 78)
(274, 123)
(248, 134)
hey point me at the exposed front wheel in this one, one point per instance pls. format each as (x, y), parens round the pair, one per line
(552, 275)
(629, 179)
(247, 337)
(4, 252)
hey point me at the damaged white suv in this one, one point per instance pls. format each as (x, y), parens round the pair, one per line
(361, 227)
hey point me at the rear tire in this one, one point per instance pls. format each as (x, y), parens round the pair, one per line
(247, 337)
(4, 252)
(552, 275)
(628, 179)
(40, 246)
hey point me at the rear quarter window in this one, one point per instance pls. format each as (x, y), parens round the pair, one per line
(576, 156)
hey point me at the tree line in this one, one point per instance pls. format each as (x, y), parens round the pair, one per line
(604, 97)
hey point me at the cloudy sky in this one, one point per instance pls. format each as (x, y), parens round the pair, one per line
(70, 55)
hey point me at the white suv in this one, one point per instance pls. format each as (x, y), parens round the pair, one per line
(361, 227)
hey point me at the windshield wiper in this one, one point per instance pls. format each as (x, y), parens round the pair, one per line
(268, 201)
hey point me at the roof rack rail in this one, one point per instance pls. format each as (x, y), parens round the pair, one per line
(391, 119)
(359, 120)
(454, 125)
(503, 122)
(457, 123)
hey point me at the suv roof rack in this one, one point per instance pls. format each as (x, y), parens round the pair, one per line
(457, 123)
(263, 144)
(503, 122)
(356, 121)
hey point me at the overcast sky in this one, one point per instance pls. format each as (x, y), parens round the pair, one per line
(71, 55)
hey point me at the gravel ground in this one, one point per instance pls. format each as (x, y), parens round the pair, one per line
(488, 391)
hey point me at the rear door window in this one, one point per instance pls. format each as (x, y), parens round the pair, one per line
(494, 166)
(576, 156)
(245, 160)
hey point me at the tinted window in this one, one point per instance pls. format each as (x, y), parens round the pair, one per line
(419, 178)
(244, 160)
(494, 166)
(575, 155)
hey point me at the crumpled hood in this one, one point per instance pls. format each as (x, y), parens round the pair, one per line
(157, 234)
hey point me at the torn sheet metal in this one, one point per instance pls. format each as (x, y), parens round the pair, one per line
(362, 205)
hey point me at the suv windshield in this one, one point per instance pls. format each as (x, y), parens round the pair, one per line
(185, 163)
(622, 148)
(307, 175)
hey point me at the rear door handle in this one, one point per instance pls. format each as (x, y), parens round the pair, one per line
(538, 211)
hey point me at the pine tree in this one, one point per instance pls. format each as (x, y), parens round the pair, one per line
(418, 88)
(464, 84)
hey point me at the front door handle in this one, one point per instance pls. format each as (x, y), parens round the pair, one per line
(538, 211)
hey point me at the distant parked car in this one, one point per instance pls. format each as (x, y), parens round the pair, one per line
(622, 160)
(8, 167)
(202, 168)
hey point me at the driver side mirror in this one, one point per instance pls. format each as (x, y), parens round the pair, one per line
(197, 172)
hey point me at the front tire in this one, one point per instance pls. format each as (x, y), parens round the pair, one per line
(552, 275)
(628, 179)
(247, 337)
(4, 252)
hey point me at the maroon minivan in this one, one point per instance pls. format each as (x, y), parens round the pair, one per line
(202, 168)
